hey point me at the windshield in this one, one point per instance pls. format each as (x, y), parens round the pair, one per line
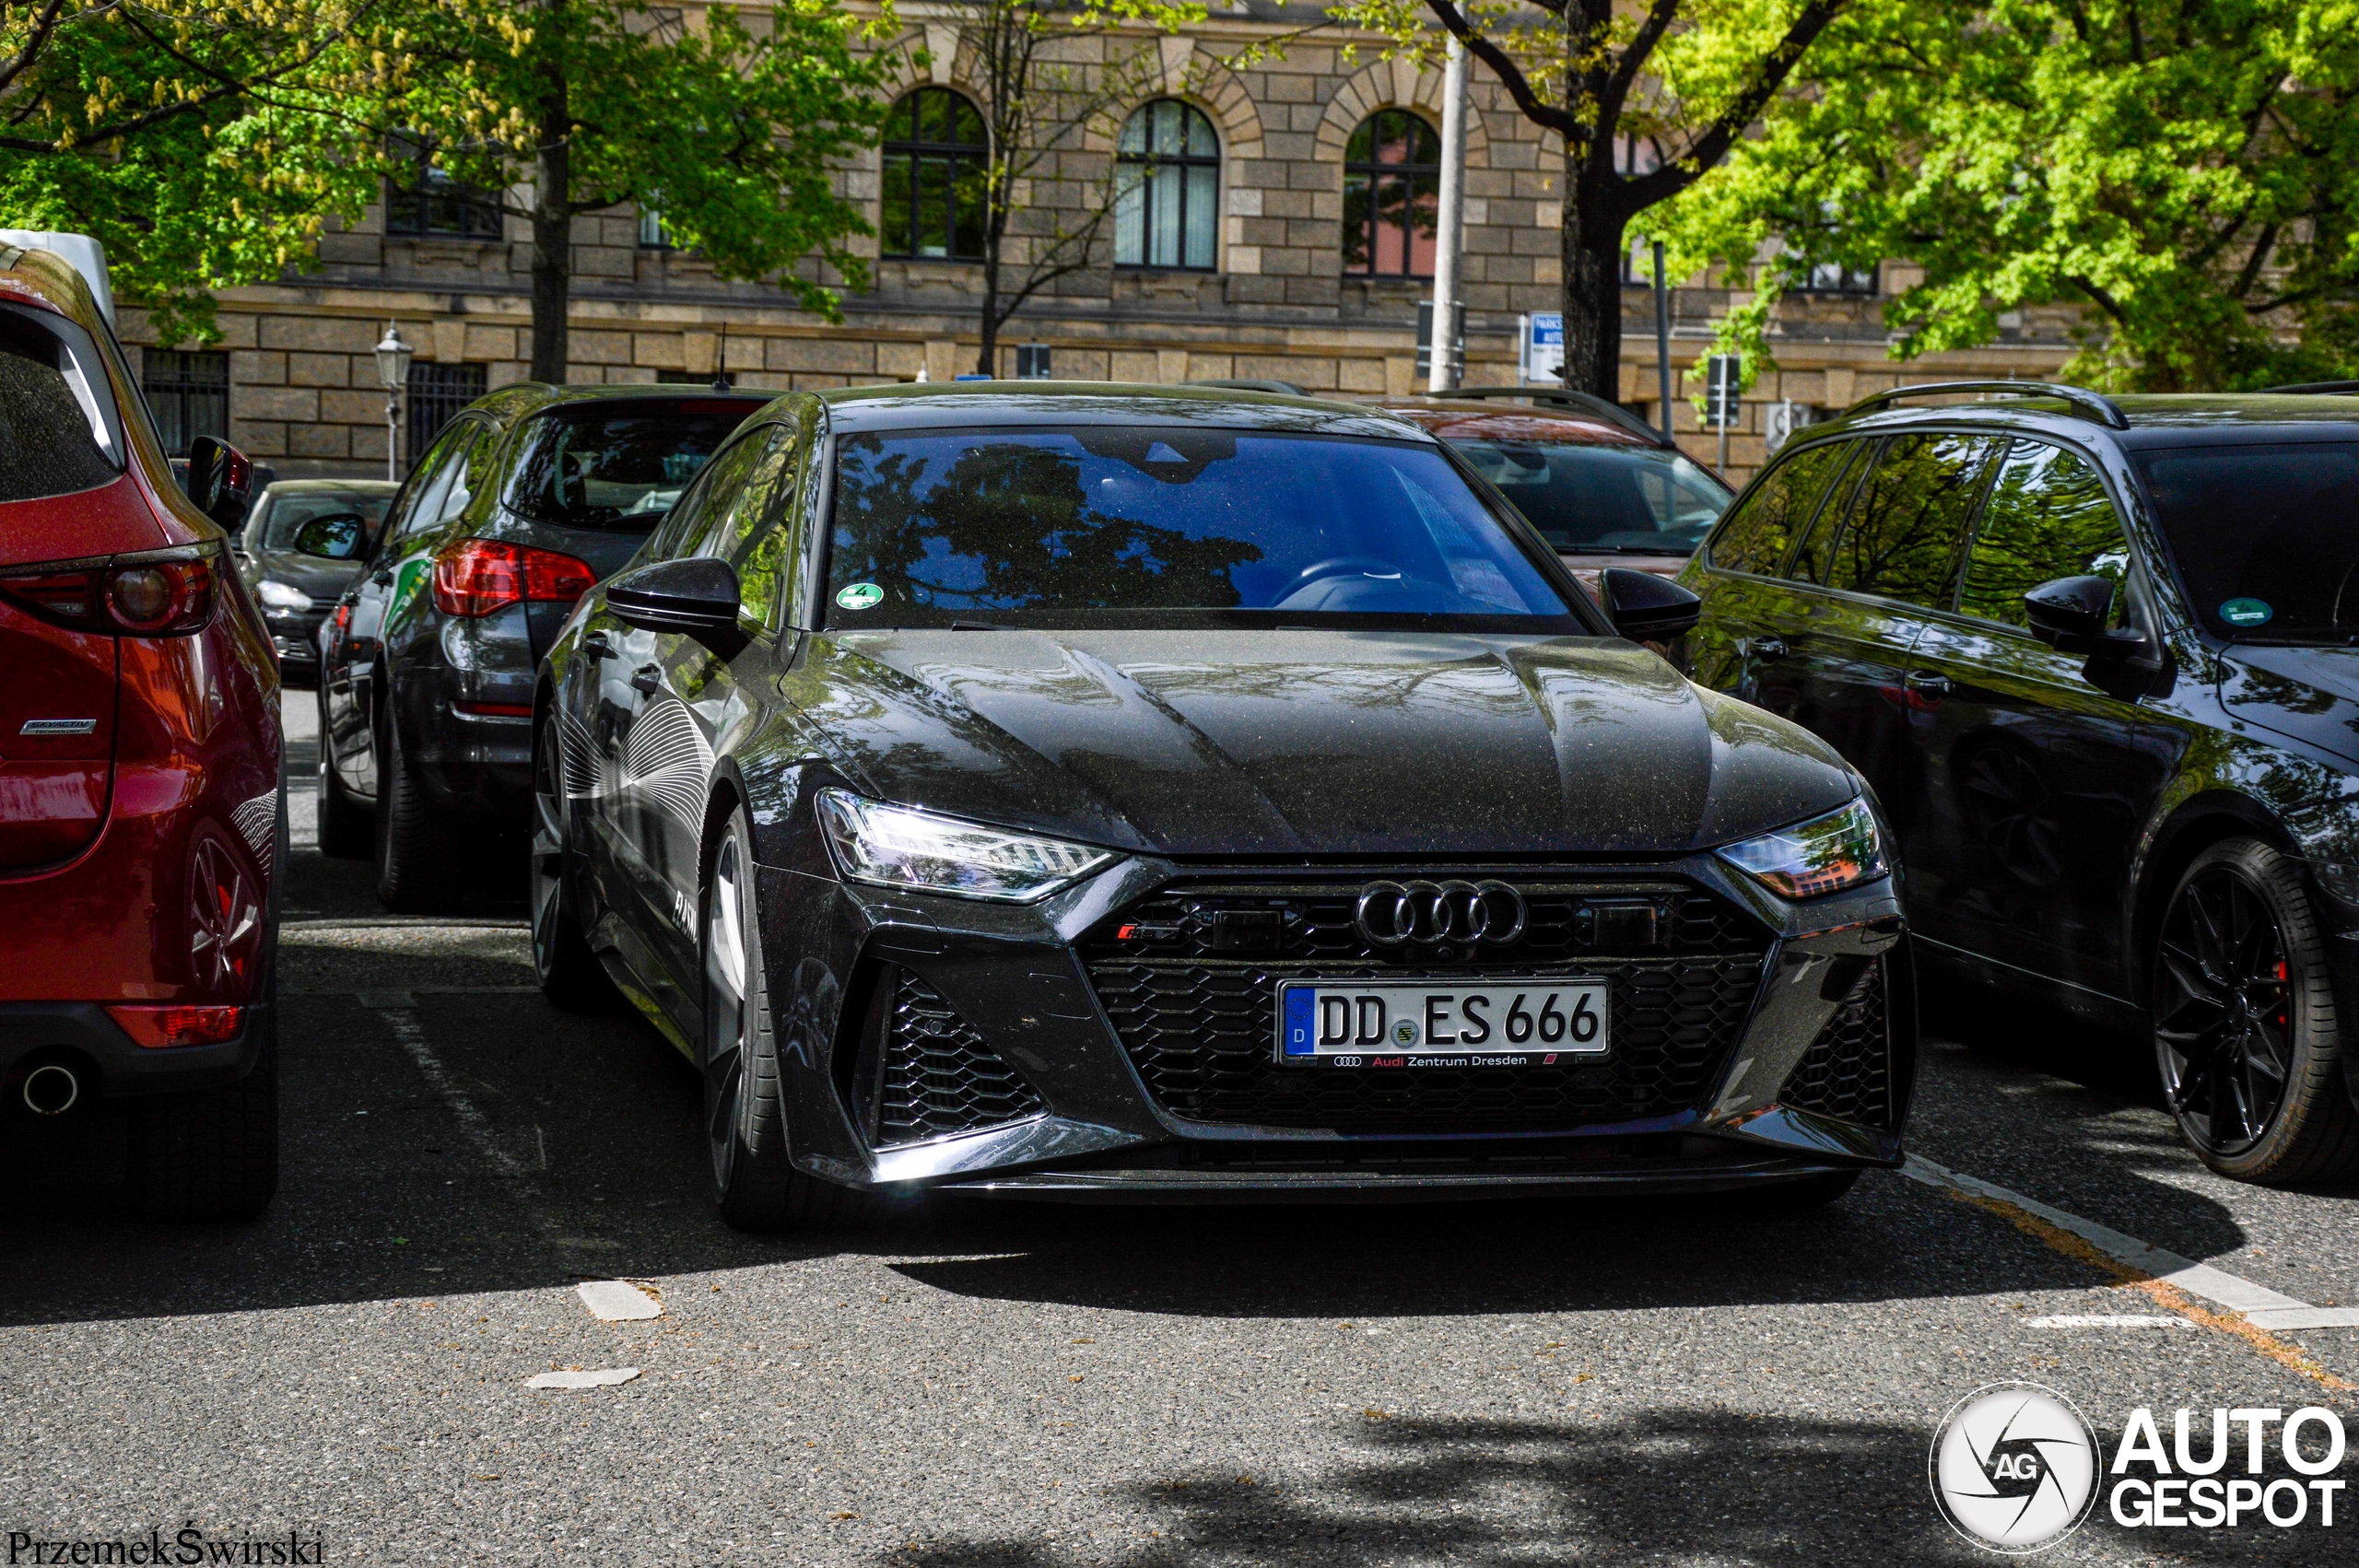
(284, 515)
(1637, 499)
(617, 464)
(1128, 525)
(2266, 538)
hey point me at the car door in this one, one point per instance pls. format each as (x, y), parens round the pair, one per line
(663, 700)
(1836, 661)
(1736, 573)
(349, 641)
(2036, 780)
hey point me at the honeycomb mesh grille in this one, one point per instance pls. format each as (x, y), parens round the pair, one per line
(939, 1076)
(1203, 1035)
(1847, 1072)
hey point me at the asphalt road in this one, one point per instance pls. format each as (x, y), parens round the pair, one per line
(1527, 1383)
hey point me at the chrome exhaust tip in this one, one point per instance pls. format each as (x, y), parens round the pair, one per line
(52, 1089)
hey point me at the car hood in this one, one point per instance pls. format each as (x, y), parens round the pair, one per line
(321, 579)
(1311, 742)
(2311, 693)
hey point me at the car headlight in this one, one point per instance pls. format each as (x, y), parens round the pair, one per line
(902, 847)
(277, 595)
(1825, 854)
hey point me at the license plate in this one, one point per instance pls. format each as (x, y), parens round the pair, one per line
(1429, 1023)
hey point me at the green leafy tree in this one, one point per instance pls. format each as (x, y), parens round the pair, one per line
(731, 127)
(203, 142)
(2183, 172)
(1685, 79)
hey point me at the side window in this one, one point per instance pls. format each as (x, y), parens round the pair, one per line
(424, 484)
(755, 536)
(1906, 527)
(706, 507)
(1758, 533)
(2047, 517)
(1809, 564)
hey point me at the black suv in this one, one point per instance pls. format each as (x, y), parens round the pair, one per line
(2099, 657)
(427, 664)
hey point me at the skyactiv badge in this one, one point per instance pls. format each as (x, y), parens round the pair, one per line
(860, 596)
(2246, 611)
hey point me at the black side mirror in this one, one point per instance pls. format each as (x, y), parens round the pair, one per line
(1646, 608)
(698, 597)
(220, 480)
(2068, 613)
(337, 536)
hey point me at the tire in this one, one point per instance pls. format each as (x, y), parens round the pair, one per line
(416, 862)
(753, 1184)
(569, 973)
(213, 1154)
(346, 830)
(2247, 1039)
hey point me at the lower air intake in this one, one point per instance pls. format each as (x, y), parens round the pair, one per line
(938, 1076)
(1847, 1072)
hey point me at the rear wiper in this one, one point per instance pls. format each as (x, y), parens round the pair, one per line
(976, 627)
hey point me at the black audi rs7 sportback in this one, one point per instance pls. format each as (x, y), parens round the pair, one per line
(1098, 792)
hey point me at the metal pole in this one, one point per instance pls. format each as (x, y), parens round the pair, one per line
(1727, 362)
(1451, 224)
(1663, 340)
(392, 435)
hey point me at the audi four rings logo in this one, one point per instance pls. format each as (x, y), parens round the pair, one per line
(1391, 913)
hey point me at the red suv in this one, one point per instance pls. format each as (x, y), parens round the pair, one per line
(142, 818)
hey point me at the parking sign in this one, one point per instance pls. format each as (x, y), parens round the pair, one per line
(1541, 347)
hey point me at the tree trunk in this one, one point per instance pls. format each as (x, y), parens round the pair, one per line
(553, 239)
(1593, 241)
(987, 359)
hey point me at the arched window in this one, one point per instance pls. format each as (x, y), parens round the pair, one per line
(934, 151)
(1391, 187)
(1167, 205)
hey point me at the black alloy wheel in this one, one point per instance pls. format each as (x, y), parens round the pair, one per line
(754, 1184)
(417, 861)
(2245, 1032)
(568, 972)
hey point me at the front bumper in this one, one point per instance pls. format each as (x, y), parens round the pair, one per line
(905, 1019)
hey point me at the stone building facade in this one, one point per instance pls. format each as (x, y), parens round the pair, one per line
(1277, 302)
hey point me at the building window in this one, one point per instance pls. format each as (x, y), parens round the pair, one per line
(1634, 156)
(427, 203)
(437, 393)
(189, 394)
(1170, 184)
(1032, 362)
(1834, 277)
(935, 148)
(1391, 187)
(652, 234)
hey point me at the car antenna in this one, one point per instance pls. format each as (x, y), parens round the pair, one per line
(721, 359)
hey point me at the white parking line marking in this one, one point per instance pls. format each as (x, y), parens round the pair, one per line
(606, 1379)
(412, 1036)
(2196, 1279)
(617, 1301)
(2106, 1320)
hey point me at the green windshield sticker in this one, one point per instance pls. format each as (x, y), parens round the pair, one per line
(2246, 611)
(861, 596)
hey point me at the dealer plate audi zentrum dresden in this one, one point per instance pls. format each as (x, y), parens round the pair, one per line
(1107, 792)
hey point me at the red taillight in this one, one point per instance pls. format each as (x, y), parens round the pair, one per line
(159, 1027)
(476, 576)
(154, 593)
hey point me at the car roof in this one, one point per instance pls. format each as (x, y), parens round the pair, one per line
(1456, 421)
(2153, 419)
(968, 404)
(45, 278)
(518, 399)
(330, 487)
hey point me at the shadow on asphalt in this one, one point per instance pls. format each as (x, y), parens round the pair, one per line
(1788, 1489)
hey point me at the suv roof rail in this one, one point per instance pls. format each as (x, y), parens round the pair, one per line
(1564, 397)
(1253, 383)
(2316, 389)
(2081, 399)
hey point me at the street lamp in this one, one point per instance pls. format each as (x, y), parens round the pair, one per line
(393, 370)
